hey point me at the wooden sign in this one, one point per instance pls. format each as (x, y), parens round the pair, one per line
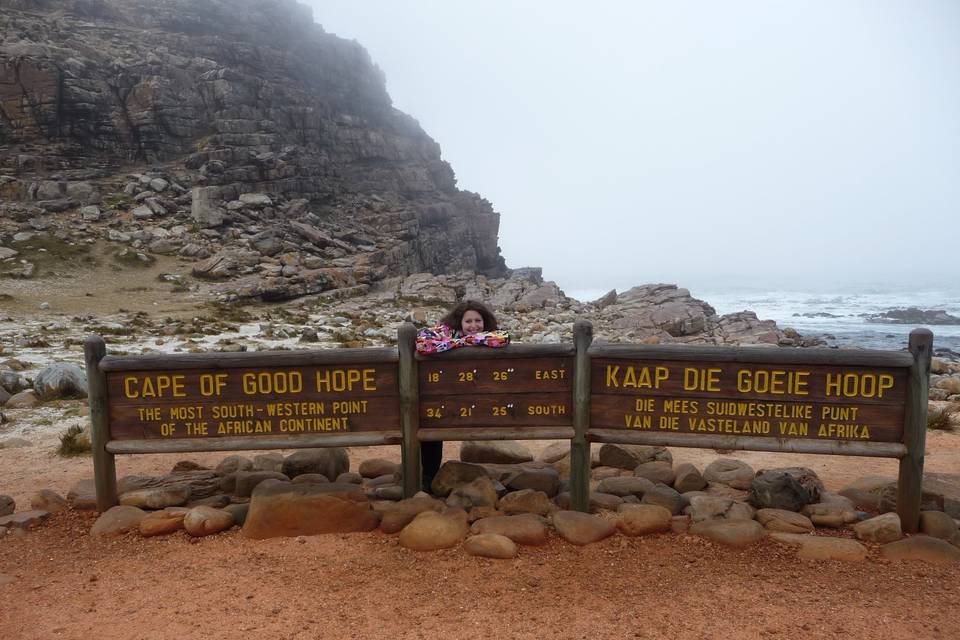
(496, 392)
(252, 401)
(749, 399)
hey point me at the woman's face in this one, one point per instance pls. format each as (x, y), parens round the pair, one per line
(472, 322)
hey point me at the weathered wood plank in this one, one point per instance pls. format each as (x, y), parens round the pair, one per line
(514, 350)
(751, 443)
(184, 445)
(496, 433)
(333, 357)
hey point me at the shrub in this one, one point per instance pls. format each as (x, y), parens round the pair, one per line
(941, 418)
(74, 442)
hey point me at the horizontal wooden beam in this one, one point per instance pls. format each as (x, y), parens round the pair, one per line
(510, 351)
(750, 443)
(162, 361)
(496, 433)
(184, 445)
(759, 355)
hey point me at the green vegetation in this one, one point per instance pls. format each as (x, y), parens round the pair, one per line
(74, 442)
(941, 418)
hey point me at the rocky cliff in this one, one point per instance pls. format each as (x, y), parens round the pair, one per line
(235, 132)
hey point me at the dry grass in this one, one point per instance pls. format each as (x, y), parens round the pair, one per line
(941, 418)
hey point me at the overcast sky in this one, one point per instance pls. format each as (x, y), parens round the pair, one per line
(711, 144)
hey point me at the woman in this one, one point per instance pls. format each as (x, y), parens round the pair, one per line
(469, 324)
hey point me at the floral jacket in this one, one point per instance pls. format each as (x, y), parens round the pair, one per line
(442, 338)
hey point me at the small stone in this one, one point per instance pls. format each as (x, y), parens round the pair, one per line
(7, 505)
(24, 520)
(688, 478)
(272, 461)
(734, 533)
(330, 461)
(23, 400)
(118, 520)
(349, 477)
(397, 516)
(205, 521)
(83, 495)
(48, 500)
(582, 528)
(628, 456)
(641, 519)
(822, 547)
(938, 524)
(729, 471)
(666, 497)
(491, 545)
(163, 522)
(932, 550)
(625, 486)
(546, 480)
(829, 515)
(494, 451)
(525, 529)
(883, 528)
(478, 493)
(784, 521)
(656, 471)
(375, 467)
(430, 531)
(232, 464)
(527, 501)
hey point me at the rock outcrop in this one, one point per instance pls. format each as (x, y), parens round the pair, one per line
(236, 132)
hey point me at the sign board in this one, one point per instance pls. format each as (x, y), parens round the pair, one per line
(749, 399)
(252, 401)
(493, 392)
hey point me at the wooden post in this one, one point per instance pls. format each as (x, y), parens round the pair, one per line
(104, 467)
(579, 447)
(910, 480)
(409, 409)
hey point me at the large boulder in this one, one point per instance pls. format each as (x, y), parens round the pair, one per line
(494, 451)
(330, 461)
(478, 493)
(61, 380)
(280, 509)
(790, 488)
(936, 524)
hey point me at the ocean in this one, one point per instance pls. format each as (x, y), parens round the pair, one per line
(805, 311)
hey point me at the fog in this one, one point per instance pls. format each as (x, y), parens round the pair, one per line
(734, 144)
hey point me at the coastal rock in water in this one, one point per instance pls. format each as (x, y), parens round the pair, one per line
(913, 315)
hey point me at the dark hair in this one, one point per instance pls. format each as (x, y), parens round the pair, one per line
(454, 319)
